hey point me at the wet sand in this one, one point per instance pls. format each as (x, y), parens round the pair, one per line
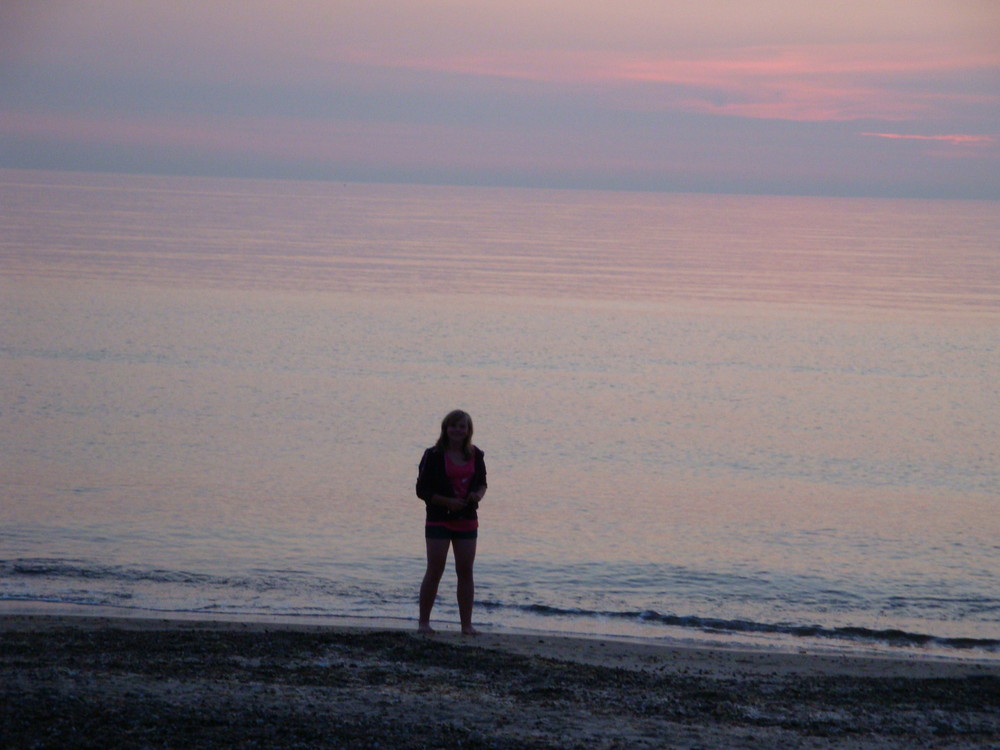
(77, 681)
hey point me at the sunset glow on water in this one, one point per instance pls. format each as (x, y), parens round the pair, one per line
(696, 410)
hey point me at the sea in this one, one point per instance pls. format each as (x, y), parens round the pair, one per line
(732, 419)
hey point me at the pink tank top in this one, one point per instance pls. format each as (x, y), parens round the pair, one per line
(459, 474)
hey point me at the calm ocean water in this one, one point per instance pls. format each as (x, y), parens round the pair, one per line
(749, 419)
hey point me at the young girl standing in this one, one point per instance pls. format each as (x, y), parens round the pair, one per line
(451, 481)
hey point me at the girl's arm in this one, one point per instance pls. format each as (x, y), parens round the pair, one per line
(477, 493)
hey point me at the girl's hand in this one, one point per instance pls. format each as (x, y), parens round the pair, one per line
(455, 504)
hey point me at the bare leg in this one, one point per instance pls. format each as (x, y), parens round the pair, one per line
(465, 556)
(437, 558)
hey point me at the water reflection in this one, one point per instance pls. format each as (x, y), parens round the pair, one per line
(231, 394)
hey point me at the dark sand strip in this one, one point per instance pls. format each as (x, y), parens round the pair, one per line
(104, 682)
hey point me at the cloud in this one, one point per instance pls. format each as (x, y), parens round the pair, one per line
(830, 82)
(698, 94)
(954, 138)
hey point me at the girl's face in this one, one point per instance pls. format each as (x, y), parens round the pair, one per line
(458, 430)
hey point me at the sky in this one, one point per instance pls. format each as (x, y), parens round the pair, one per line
(894, 98)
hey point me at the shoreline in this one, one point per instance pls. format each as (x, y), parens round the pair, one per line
(79, 680)
(679, 638)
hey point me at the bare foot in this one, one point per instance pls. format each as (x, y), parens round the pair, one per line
(425, 627)
(469, 630)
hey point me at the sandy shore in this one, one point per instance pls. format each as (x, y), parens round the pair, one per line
(71, 681)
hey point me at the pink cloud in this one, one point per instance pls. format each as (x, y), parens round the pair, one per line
(820, 82)
(790, 82)
(954, 138)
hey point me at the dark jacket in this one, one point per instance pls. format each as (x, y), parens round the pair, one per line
(432, 480)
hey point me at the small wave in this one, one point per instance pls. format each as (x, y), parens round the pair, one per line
(76, 569)
(718, 625)
(267, 591)
(38, 575)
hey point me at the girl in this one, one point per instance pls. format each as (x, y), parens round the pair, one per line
(451, 481)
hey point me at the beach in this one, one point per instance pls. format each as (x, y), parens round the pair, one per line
(741, 454)
(86, 681)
